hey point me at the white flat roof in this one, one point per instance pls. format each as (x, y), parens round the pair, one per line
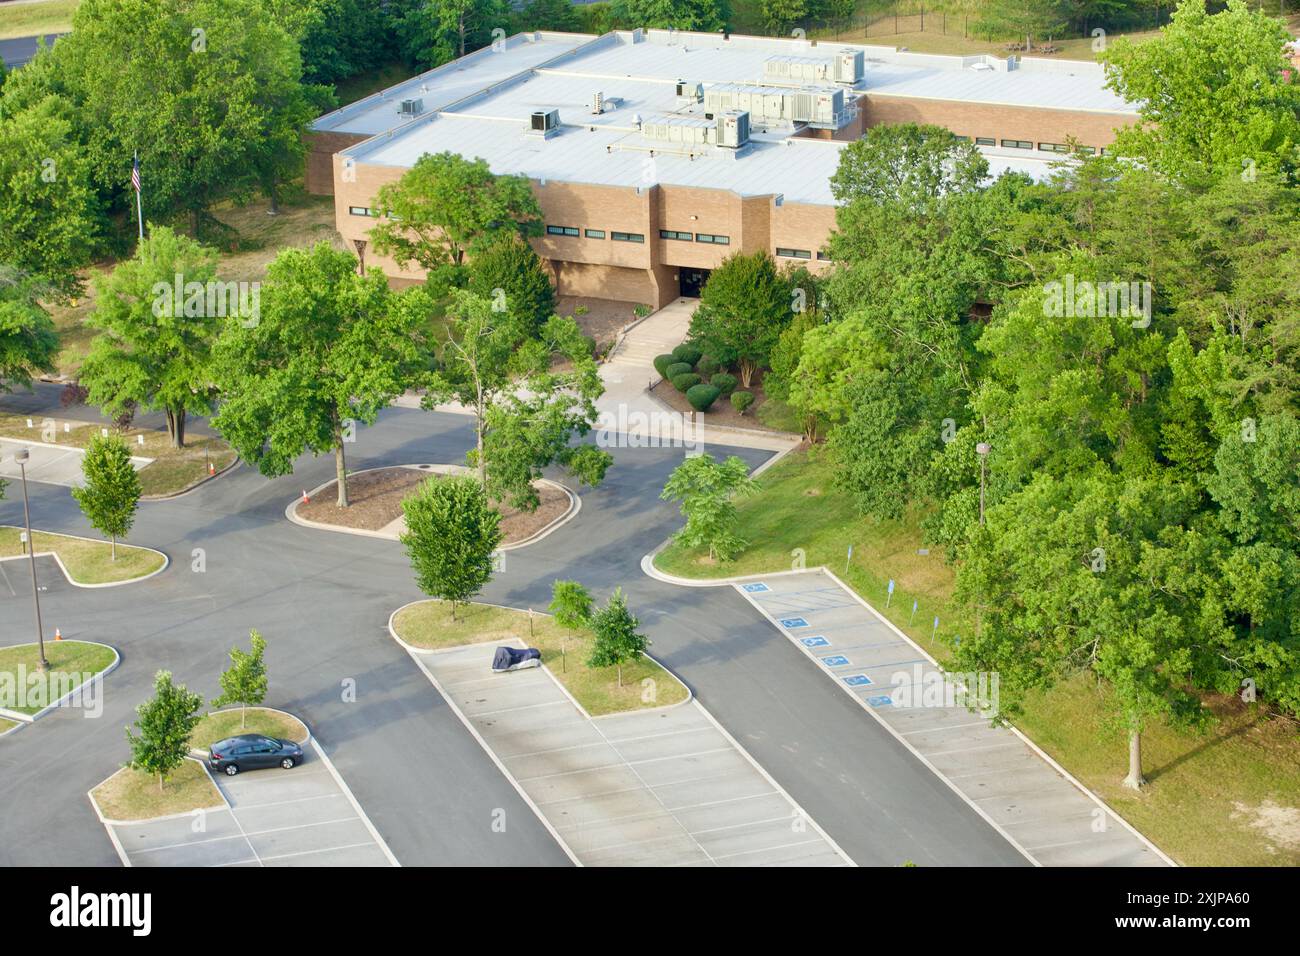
(479, 107)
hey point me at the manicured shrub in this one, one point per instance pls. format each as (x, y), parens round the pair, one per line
(741, 401)
(662, 362)
(677, 368)
(688, 353)
(706, 367)
(725, 383)
(702, 396)
(685, 382)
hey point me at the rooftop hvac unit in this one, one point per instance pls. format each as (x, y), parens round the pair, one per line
(597, 103)
(688, 93)
(544, 121)
(411, 107)
(733, 129)
(848, 67)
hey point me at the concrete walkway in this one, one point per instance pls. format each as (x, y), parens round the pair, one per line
(51, 463)
(661, 787)
(1049, 816)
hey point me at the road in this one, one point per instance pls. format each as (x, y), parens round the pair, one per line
(323, 601)
(19, 50)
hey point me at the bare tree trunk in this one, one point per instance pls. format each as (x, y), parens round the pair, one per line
(481, 461)
(1135, 780)
(340, 468)
(178, 437)
(112, 548)
(243, 716)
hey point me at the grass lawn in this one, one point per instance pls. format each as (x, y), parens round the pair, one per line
(134, 795)
(227, 723)
(1225, 797)
(29, 19)
(172, 469)
(89, 562)
(6, 725)
(428, 624)
(65, 657)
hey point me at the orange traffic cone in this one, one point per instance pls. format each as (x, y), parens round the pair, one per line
(212, 468)
(306, 499)
(58, 635)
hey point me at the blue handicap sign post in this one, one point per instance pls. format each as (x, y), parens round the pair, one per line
(889, 596)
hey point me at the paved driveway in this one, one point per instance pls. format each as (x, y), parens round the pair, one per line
(51, 464)
(662, 787)
(299, 817)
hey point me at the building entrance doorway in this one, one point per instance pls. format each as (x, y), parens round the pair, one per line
(692, 281)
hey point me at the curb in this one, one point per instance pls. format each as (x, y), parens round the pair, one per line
(194, 487)
(110, 822)
(32, 718)
(291, 509)
(77, 584)
(197, 753)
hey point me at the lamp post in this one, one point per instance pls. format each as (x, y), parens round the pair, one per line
(21, 456)
(982, 449)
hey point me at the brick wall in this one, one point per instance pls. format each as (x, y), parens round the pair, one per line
(321, 147)
(997, 122)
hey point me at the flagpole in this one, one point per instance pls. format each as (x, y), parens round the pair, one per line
(139, 209)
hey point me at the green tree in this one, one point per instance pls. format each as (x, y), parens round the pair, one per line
(165, 723)
(744, 307)
(525, 414)
(780, 16)
(50, 216)
(705, 16)
(571, 604)
(548, 15)
(707, 490)
(446, 208)
(28, 340)
(510, 273)
(436, 31)
(451, 533)
(158, 315)
(111, 492)
(1023, 18)
(203, 90)
(616, 639)
(328, 353)
(1212, 93)
(244, 682)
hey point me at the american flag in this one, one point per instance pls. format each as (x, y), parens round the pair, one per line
(135, 174)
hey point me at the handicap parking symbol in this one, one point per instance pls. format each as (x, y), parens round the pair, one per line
(857, 680)
(817, 641)
(839, 660)
(881, 700)
(793, 622)
(755, 588)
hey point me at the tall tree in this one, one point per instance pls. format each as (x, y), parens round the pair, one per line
(328, 353)
(1212, 91)
(244, 681)
(707, 490)
(436, 31)
(445, 208)
(1041, 19)
(50, 216)
(201, 89)
(617, 640)
(451, 533)
(158, 315)
(165, 723)
(525, 413)
(705, 16)
(28, 340)
(111, 492)
(510, 273)
(744, 307)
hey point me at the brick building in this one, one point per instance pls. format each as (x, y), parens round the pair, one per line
(655, 154)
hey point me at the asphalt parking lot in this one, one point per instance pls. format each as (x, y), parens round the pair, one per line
(53, 464)
(1048, 817)
(299, 817)
(662, 787)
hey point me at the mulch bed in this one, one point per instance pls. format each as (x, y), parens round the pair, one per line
(375, 500)
(722, 412)
(603, 319)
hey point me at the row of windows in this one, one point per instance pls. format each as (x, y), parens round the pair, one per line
(704, 237)
(594, 233)
(1043, 147)
(784, 253)
(361, 211)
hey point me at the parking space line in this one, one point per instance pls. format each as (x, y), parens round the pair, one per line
(624, 762)
(748, 823)
(283, 803)
(766, 849)
(323, 849)
(601, 743)
(510, 710)
(1008, 745)
(941, 728)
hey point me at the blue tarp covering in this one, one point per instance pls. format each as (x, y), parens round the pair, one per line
(512, 658)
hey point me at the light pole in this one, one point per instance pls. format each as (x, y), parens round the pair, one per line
(982, 449)
(21, 457)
